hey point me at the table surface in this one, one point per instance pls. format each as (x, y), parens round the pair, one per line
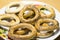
(55, 3)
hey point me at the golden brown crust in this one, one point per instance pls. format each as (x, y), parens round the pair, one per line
(43, 22)
(14, 4)
(42, 8)
(14, 19)
(47, 26)
(31, 19)
(22, 25)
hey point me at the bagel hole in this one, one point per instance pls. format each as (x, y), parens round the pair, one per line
(14, 7)
(26, 31)
(50, 31)
(28, 14)
(45, 11)
(17, 5)
(48, 23)
(43, 23)
(8, 19)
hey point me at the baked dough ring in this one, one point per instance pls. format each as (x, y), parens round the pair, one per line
(28, 7)
(44, 35)
(47, 24)
(16, 5)
(9, 20)
(45, 11)
(14, 36)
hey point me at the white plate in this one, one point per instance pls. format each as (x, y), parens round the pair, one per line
(2, 11)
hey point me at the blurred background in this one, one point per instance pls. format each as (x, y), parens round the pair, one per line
(55, 3)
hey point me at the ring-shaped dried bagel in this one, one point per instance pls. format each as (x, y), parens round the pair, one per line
(44, 35)
(14, 7)
(13, 36)
(47, 24)
(45, 11)
(9, 19)
(28, 7)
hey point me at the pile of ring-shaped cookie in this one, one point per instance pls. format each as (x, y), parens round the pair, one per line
(29, 21)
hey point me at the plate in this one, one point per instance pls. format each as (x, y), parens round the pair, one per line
(56, 34)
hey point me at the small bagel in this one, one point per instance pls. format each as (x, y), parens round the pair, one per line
(33, 17)
(47, 24)
(45, 11)
(15, 5)
(9, 20)
(14, 36)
